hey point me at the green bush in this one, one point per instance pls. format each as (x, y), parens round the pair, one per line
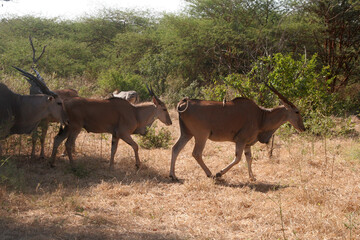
(176, 92)
(155, 139)
(113, 79)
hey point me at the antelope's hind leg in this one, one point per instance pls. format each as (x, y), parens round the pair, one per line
(179, 145)
(128, 139)
(70, 142)
(59, 138)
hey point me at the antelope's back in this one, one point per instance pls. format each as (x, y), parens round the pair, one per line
(66, 93)
(221, 120)
(99, 115)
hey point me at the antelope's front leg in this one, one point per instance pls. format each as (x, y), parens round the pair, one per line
(238, 151)
(249, 162)
(44, 129)
(197, 154)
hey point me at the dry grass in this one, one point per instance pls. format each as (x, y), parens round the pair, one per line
(301, 193)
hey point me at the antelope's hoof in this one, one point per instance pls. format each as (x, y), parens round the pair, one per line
(51, 165)
(174, 179)
(137, 166)
(218, 175)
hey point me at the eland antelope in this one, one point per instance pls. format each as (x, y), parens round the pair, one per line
(115, 116)
(240, 121)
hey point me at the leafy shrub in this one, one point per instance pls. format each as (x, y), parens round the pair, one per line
(113, 79)
(155, 139)
(176, 92)
(348, 100)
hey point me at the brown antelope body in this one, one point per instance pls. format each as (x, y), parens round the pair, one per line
(240, 121)
(64, 94)
(115, 116)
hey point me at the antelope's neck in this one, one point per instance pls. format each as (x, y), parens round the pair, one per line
(32, 107)
(28, 114)
(145, 114)
(274, 118)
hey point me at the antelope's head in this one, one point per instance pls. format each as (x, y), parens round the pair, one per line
(57, 109)
(293, 113)
(161, 111)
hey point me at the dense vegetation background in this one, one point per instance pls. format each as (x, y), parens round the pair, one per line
(309, 50)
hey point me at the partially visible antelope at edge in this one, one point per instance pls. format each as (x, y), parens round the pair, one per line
(240, 121)
(115, 116)
(130, 96)
(21, 114)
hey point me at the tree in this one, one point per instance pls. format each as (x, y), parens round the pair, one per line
(338, 42)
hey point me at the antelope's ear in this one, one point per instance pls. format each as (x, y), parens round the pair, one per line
(50, 98)
(155, 101)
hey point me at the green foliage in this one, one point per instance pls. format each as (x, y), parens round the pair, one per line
(217, 92)
(155, 138)
(338, 41)
(176, 92)
(66, 57)
(303, 83)
(348, 100)
(115, 79)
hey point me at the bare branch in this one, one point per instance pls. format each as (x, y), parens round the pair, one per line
(35, 60)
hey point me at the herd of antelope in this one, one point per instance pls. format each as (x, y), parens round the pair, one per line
(240, 120)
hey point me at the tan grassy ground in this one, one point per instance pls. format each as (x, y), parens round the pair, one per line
(302, 192)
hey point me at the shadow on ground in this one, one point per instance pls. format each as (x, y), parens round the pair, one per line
(27, 175)
(256, 186)
(10, 229)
